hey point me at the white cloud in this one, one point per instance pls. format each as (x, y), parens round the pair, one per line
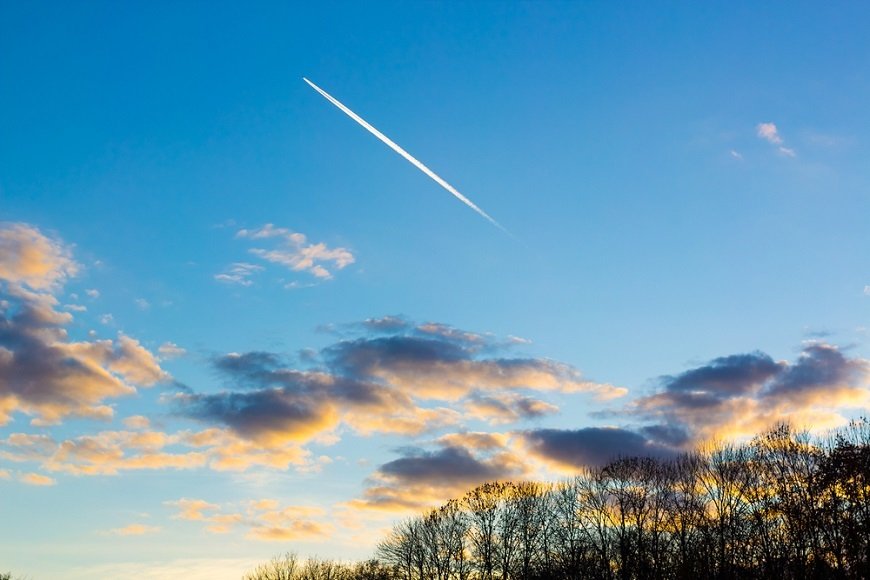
(239, 273)
(770, 133)
(297, 253)
(142, 304)
(169, 350)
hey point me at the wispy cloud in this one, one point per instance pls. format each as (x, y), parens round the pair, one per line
(295, 252)
(135, 530)
(265, 519)
(36, 479)
(770, 133)
(170, 350)
(239, 273)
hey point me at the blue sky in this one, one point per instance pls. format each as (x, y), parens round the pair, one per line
(687, 185)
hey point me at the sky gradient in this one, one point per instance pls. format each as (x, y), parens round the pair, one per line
(233, 322)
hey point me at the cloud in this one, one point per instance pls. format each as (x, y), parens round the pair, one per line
(402, 379)
(420, 479)
(103, 453)
(170, 350)
(740, 395)
(264, 520)
(192, 509)
(269, 416)
(736, 155)
(32, 259)
(296, 253)
(770, 133)
(134, 530)
(570, 450)
(239, 273)
(387, 324)
(42, 372)
(500, 408)
(137, 422)
(447, 368)
(36, 479)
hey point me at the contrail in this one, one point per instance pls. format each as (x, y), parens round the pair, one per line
(406, 155)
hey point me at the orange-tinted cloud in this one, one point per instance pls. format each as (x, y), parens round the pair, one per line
(739, 396)
(42, 372)
(32, 259)
(399, 378)
(264, 519)
(135, 530)
(113, 452)
(421, 479)
(36, 479)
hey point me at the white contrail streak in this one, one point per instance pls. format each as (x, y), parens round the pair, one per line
(405, 154)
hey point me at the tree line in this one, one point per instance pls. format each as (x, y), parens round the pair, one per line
(783, 505)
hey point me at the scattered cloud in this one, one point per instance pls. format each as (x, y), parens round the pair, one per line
(170, 350)
(36, 479)
(739, 395)
(295, 252)
(142, 304)
(137, 422)
(736, 155)
(43, 373)
(134, 530)
(31, 259)
(420, 479)
(92, 293)
(499, 408)
(398, 378)
(112, 452)
(265, 519)
(770, 133)
(239, 273)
